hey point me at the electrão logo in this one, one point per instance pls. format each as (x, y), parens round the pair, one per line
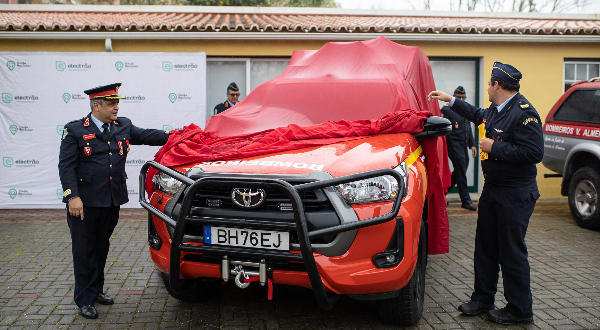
(172, 97)
(61, 66)
(7, 97)
(13, 129)
(60, 129)
(11, 65)
(59, 193)
(12, 193)
(167, 128)
(167, 66)
(119, 66)
(66, 97)
(8, 161)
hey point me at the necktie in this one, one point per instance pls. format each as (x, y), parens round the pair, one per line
(494, 112)
(105, 132)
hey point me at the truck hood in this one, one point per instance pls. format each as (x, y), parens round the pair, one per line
(339, 159)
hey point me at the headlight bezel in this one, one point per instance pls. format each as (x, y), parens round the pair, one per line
(353, 193)
(166, 183)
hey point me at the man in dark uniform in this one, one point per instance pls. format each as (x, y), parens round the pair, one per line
(457, 142)
(233, 94)
(513, 144)
(92, 159)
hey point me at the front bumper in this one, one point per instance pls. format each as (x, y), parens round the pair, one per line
(306, 257)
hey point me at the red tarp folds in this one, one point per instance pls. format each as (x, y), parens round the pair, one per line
(323, 97)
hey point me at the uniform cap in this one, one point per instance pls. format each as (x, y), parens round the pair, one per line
(109, 92)
(233, 86)
(506, 72)
(460, 91)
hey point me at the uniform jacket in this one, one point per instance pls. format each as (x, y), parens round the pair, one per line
(94, 169)
(461, 134)
(518, 141)
(222, 107)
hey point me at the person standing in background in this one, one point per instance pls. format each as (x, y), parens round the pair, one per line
(233, 95)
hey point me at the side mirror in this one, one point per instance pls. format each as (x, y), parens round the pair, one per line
(436, 126)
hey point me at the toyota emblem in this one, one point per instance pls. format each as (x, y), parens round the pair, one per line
(248, 198)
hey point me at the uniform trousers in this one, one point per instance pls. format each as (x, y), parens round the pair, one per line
(460, 160)
(90, 239)
(502, 222)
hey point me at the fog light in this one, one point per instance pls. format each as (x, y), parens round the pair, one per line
(154, 241)
(391, 258)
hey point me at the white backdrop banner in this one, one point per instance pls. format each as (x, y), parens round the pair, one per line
(41, 92)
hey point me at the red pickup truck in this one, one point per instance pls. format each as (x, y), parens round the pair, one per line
(344, 213)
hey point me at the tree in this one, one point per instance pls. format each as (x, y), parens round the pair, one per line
(305, 3)
(532, 6)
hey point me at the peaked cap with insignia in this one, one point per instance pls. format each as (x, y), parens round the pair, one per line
(506, 72)
(109, 92)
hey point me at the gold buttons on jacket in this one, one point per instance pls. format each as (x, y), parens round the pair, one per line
(110, 165)
(110, 177)
(108, 142)
(110, 153)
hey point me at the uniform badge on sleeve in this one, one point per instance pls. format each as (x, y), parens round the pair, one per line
(120, 147)
(127, 141)
(67, 192)
(529, 120)
(87, 122)
(87, 150)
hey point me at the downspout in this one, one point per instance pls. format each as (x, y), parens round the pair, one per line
(108, 45)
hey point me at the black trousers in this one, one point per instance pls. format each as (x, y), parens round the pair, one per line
(500, 244)
(460, 160)
(90, 240)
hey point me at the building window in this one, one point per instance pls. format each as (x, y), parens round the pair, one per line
(577, 70)
(247, 73)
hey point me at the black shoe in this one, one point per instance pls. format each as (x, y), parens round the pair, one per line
(469, 206)
(474, 307)
(503, 316)
(89, 312)
(103, 299)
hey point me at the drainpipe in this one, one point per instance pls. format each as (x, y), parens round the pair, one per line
(108, 45)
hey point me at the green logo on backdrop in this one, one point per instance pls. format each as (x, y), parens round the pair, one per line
(7, 161)
(59, 193)
(10, 65)
(12, 193)
(119, 65)
(61, 66)
(13, 129)
(7, 97)
(60, 129)
(167, 128)
(66, 97)
(167, 66)
(172, 97)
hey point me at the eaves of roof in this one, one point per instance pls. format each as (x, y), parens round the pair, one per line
(187, 22)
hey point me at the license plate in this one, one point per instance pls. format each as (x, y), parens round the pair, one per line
(251, 238)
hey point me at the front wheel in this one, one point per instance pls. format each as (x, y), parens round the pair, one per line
(583, 198)
(196, 290)
(407, 308)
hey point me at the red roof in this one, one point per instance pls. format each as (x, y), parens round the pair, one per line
(193, 19)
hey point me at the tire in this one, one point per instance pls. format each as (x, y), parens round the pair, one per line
(584, 199)
(198, 290)
(407, 308)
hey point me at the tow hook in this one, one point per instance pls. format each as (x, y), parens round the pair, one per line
(254, 269)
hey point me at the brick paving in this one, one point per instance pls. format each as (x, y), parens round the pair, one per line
(36, 282)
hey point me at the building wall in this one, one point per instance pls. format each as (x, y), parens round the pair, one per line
(540, 63)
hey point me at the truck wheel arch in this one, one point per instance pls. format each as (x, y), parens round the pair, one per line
(582, 155)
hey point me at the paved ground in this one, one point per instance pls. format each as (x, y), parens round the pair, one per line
(36, 282)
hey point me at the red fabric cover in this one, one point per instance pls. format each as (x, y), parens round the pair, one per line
(323, 97)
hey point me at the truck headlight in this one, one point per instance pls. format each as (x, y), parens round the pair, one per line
(377, 189)
(166, 183)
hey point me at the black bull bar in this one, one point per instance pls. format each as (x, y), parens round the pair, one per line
(292, 192)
